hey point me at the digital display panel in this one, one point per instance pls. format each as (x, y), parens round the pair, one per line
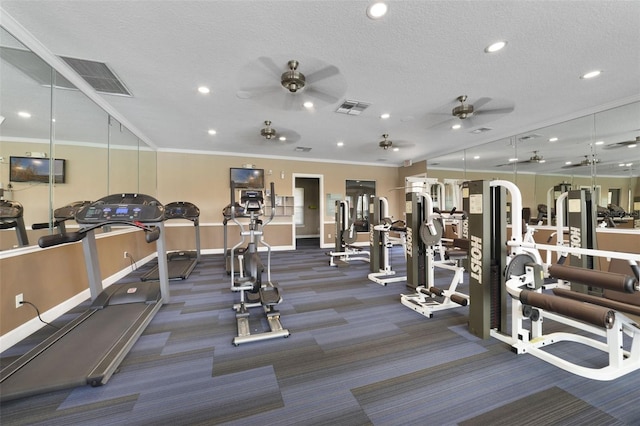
(31, 169)
(247, 178)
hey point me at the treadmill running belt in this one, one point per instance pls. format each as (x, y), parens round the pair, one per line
(178, 267)
(68, 361)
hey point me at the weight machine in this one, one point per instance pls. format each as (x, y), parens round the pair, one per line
(598, 322)
(431, 227)
(380, 242)
(345, 236)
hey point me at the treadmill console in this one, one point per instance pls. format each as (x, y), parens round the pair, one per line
(69, 211)
(122, 208)
(10, 209)
(181, 210)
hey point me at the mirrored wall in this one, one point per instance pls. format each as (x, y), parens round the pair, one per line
(599, 151)
(43, 116)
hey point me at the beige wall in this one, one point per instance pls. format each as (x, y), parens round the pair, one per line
(204, 180)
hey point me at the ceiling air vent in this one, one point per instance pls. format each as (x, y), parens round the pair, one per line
(352, 107)
(528, 137)
(98, 75)
(481, 130)
(302, 149)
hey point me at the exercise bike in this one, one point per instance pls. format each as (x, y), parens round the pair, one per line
(254, 292)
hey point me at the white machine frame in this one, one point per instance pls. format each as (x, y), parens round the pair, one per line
(622, 359)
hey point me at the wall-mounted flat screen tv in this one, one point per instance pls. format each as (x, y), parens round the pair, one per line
(247, 178)
(32, 169)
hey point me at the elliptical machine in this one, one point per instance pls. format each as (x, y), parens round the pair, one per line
(254, 292)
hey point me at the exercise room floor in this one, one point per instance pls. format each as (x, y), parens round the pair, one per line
(356, 356)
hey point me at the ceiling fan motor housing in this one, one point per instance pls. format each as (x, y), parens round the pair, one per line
(268, 132)
(292, 80)
(462, 111)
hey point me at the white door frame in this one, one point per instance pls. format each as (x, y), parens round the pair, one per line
(320, 201)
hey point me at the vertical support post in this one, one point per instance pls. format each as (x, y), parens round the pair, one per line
(582, 233)
(416, 251)
(163, 273)
(90, 251)
(486, 230)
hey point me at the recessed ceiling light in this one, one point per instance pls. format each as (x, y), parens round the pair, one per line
(629, 164)
(499, 45)
(633, 145)
(377, 10)
(282, 138)
(212, 132)
(554, 139)
(476, 157)
(340, 143)
(396, 149)
(24, 114)
(456, 126)
(512, 160)
(203, 89)
(591, 74)
(308, 104)
(567, 162)
(385, 116)
(600, 143)
(621, 165)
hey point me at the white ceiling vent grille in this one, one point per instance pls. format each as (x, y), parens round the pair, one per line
(98, 75)
(529, 137)
(481, 130)
(302, 149)
(352, 107)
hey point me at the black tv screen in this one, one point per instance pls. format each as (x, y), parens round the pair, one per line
(32, 169)
(247, 178)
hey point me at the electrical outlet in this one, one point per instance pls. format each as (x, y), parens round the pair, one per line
(19, 300)
(329, 235)
(126, 254)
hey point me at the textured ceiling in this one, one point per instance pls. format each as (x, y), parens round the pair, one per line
(412, 64)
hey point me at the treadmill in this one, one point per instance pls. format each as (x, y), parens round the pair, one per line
(90, 348)
(180, 263)
(61, 215)
(11, 217)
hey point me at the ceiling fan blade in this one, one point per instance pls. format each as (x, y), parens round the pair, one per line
(289, 102)
(480, 102)
(323, 73)
(506, 110)
(271, 66)
(259, 91)
(323, 96)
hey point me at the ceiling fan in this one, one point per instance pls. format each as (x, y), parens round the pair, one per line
(387, 144)
(292, 84)
(281, 137)
(467, 114)
(534, 159)
(588, 161)
(628, 144)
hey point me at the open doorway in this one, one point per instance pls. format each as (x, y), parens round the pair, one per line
(307, 216)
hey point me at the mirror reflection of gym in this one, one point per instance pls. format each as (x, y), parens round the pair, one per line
(359, 194)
